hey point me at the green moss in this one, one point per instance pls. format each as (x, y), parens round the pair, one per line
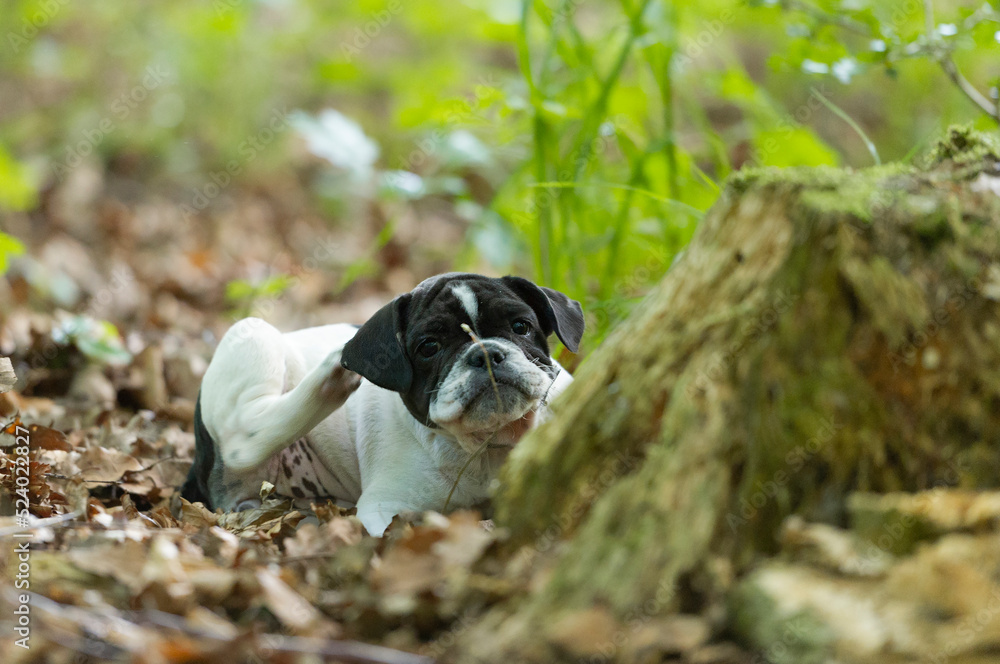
(824, 177)
(855, 190)
(780, 637)
(739, 412)
(896, 304)
(887, 529)
(964, 146)
(864, 194)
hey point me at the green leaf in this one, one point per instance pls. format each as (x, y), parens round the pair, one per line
(796, 146)
(9, 246)
(17, 192)
(239, 290)
(97, 340)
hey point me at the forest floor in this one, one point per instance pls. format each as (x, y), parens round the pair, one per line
(121, 568)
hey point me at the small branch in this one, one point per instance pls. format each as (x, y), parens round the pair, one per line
(74, 476)
(970, 91)
(486, 355)
(940, 53)
(831, 19)
(59, 519)
(348, 651)
(489, 439)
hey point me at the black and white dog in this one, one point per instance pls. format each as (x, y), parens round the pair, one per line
(385, 416)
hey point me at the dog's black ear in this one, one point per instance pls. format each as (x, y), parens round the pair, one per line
(376, 351)
(555, 311)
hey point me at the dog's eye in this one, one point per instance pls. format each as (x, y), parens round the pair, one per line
(521, 326)
(428, 348)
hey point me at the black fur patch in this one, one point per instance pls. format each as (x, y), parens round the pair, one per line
(195, 487)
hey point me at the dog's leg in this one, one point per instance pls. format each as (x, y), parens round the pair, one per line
(376, 511)
(244, 401)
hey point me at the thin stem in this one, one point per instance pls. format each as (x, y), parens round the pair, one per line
(929, 20)
(621, 224)
(582, 145)
(542, 263)
(543, 253)
(836, 110)
(680, 205)
(833, 19)
(489, 439)
(970, 91)
(666, 84)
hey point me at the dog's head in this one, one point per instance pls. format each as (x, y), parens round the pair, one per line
(477, 390)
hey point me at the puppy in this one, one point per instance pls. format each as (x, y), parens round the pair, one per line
(386, 416)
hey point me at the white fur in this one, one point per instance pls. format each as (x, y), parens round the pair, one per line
(468, 300)
(264, 390)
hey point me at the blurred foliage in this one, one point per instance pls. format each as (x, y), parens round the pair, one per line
(242, 294)
(580, 142)
(98, 340)
(9, 247)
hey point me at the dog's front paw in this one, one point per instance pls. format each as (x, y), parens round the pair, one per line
(376, 515)
(375, 522)
(340, 382)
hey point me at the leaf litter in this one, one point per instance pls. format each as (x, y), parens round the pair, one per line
(121, 567)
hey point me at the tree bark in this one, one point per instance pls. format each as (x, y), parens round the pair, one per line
(827, 331)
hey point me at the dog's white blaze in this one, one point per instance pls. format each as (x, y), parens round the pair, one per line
(468, 300)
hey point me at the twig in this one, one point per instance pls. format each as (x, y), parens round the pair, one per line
(935, 48)
(940, 53)
(489, 366)
(347, 651)
(461, 471)
(833, 19)
(41, 523)
(970, 91)
(56, 476)
(489, 439)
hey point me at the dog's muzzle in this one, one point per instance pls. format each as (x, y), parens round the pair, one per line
(489, 387)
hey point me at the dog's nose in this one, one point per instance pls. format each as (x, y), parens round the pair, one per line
(477, 358)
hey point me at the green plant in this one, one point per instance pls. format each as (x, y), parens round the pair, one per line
(242, 294)
(845, 39)
(608, 189)
(608, 126)
(9, 247)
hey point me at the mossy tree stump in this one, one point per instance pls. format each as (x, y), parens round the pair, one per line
(826, 331)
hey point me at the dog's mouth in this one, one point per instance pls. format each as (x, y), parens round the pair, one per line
(493, 392)
(509, 434)
(499, 423)
(494, 410)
